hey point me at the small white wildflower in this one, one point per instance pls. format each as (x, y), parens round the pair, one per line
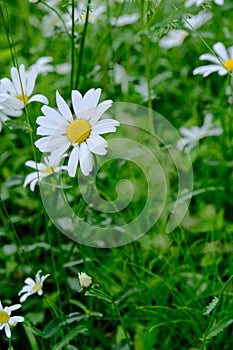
(84, 280)
(22, 86)
(33, 286)
(221, 63)
(49, 167)
(6, 321)
(192, 136)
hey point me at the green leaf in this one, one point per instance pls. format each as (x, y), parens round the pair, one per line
(65, 341)
(52, 327)
(211, 306)
(219, 327)
(99, 295)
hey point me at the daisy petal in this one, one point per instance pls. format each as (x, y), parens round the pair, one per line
(31, 81)
(73, 161)
(63, 107)
(39, 98)
(85, 159)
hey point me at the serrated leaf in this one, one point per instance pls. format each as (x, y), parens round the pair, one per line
(219, 327)
(211, 306)
(65, 341)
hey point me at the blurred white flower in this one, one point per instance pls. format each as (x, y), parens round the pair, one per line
(63, 68)
(95, 13)
(8, 107)
(189, 3)
(33, 286)
(176, 37)
(222, 62)
(22, 86)
(43, 65)
(192, 136)
(85, 281)
(49, 167)
(124, 20)
(6, 320)
(80, 131)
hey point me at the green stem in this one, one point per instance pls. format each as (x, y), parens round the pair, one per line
(82, 45)
(122, 324)
(72, 49)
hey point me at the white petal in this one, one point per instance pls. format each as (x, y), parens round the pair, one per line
(12, 308)
(63, 107)
(73, 161)
(99, 111)
(85, 159)
(76, 100)
(16, 81)
(209, 57)
(97, 144)
(34, 165)
(31, 178)
(15, 319)
(30, 282)
(221, 51)
(8, 85)
(52, 115)
(206, 70)
(91, 98)
(25, 289)
(39, 98)
(7, 330)
(43, 278)
(104, 126)
(31, 81)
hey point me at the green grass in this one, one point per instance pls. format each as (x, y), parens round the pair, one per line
(152, 293)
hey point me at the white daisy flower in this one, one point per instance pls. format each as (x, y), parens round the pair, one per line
(222, 62)
(33, 286)
(6, 321)
(49, 167)
(176, 37)
(22, 86)
(85, 281)
(189, 3)
(192, 136)
(125, 20)
(79, 132)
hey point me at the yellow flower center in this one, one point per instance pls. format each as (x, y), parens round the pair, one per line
(23, 98)
(49, 170)
(228, 64)
(37, 287)
(4, 317)
(78, 131)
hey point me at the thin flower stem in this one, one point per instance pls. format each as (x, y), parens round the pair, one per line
(82, 45)
(72, 49)
(123, 325)
(9, 35)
